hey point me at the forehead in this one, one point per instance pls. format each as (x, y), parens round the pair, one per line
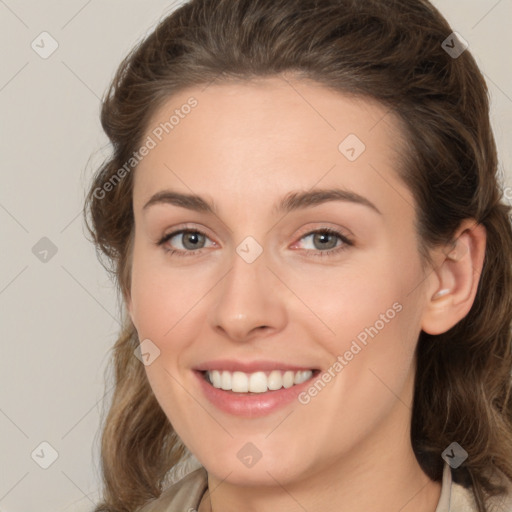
(259, 138)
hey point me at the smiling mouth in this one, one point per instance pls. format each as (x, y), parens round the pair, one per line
(257, 382)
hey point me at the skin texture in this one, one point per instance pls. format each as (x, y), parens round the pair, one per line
(244, 147)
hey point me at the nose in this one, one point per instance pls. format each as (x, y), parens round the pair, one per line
(248, 301)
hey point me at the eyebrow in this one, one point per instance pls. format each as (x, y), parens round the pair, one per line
(292, 201)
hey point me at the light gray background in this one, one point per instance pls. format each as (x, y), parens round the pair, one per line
(59, 317)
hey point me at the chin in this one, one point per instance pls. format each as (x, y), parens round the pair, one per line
(266, 471)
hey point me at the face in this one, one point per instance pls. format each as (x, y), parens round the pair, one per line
(291, 278)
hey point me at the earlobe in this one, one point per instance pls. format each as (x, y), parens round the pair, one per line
(455, 279)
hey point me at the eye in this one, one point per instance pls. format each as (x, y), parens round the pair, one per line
(325, 242)
(187, 242)
(184, 242)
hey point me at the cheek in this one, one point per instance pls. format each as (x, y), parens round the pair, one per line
(359, 300)
(164, 311)
(162, 297)
(373, 312)
(378, 334)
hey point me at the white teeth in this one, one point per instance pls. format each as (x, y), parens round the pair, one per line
(215, 376)
(258, 382)
(226, 381)
(288, 378)
(240, 382)
(275, 380)
(301, 377)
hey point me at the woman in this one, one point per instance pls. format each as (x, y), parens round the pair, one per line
(303, 215)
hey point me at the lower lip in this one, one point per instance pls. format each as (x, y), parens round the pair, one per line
(251, 405)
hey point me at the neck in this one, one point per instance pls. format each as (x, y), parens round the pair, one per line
(415, 492)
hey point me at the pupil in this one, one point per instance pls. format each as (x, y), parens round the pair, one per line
(193, 239)
(323, 238)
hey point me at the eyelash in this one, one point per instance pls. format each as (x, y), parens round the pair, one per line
(318, 254)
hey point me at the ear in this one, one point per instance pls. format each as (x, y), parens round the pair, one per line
(453, 284)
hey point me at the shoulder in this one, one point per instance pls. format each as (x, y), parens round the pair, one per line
(182, 495)
(463, 499)
(501, 502)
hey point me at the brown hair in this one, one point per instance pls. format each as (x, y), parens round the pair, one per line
(388, 50)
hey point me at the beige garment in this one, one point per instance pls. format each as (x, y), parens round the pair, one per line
(185, 496)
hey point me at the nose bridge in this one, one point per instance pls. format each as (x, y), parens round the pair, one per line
(247, 298)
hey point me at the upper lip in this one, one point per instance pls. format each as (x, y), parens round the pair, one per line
(232, 365)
